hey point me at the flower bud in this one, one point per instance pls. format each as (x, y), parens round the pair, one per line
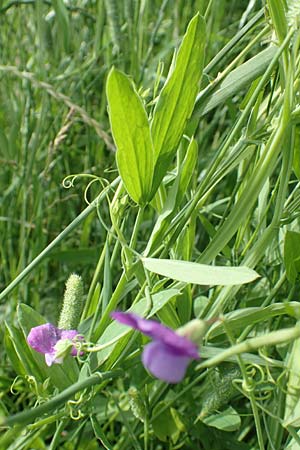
(194, 330)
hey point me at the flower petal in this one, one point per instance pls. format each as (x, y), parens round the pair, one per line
(163, 363)
(71, 334)
(50, 359)
(159, 332)
(43, 338)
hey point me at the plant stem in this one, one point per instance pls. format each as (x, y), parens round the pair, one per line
(26, 417)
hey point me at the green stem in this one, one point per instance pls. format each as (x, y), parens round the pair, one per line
(138, 221)
(26, 417)
(248, 390)
(294, 434)
(111, 306)
(272, 338)
(94, 283)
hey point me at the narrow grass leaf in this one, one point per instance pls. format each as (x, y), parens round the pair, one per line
(63, 22)
(292, 401)
(177, 98)
(278, 17)
(237, 80)
(292, 255)
(187, 169)
(131, 134)
(190, 272)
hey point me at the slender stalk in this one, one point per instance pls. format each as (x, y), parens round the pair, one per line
(272, 338)
(26, 417)
(247, 389)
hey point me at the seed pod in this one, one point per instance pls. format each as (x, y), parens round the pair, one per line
(137, 404)
(219, 388)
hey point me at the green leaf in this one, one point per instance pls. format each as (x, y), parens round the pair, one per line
(235, 81)
(190, 272)
(187, 169)
(177, 98)
(167, 425)
(296, 160)
(292, 255)
(20, 355)
(131, 132)
(62, 375)
(63, 22)
(277, 13)
(239, 319)
(292, 401)
(227, 420)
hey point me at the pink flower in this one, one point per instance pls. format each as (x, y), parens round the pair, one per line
(169, 354)
(49, 340)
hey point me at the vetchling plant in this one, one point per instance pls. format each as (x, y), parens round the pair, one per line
(201, 229)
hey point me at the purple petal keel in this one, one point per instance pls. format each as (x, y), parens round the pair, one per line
(161, 361)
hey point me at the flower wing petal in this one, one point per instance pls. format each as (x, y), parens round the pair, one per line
(164, 363)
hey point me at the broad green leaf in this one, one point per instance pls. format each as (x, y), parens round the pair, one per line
(131, 132)
(239, 319)
(21, 356)
(292, 255)
(227, 420)
(167, 425)
(62, 375)
(177, 98)
(190, 272)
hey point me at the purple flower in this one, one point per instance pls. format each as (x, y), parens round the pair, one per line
(168, 356)
(49, 340)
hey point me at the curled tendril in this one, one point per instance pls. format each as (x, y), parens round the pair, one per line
(281, 381)
(253, 369)
(75, 412)
(103, 182)
(33, 384)
(68, 181)
(12, 387)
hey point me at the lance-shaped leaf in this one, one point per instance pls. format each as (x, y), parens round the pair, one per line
(131, 132)
(191, 272)
(177, 98)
